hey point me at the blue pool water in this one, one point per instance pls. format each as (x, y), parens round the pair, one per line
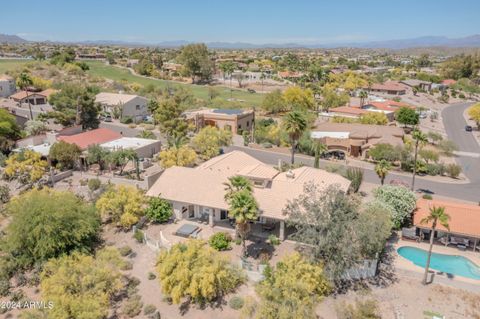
(450, 264)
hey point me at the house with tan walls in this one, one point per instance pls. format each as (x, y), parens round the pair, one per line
(198, 193)
(235, 121)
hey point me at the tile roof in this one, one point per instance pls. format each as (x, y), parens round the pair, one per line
(114, 98)
(204, 185)
(20, 95)
(85, 139)
(387, 86)
(464, 218)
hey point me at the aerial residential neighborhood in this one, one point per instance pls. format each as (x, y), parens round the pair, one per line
(274, 160)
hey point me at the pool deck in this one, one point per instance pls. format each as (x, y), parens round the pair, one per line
(407, 266)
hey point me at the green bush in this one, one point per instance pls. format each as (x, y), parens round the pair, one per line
(220, 241)
(4, 287)
(427, 196)
(4, 194)
(236, 302)
(133, 306)
(149, 309)
(433, 169)
(125, 250)
(453, 170)
(159, 210)
(94, 184)
(274, 240)
(238, 241)
(399, 199)
(138, 235)
(126, 120)
(361, 310)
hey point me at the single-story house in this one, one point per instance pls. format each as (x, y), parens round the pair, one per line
(355, 139)
(464, 222)
(85, 139)
(356, 112)
(145, 148)
(236, 121)
(413, 83)
(129, 105)
(389, 87)
(35, 98)
(198, 193)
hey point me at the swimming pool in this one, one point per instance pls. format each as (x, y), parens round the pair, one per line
(450, 264)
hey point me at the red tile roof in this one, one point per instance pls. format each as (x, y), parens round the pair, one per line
(464, 218)
(85, 139)
(348, 110)
(388, 86)
(449, 82)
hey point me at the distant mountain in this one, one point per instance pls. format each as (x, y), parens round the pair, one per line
(420, 42)
(6, 38)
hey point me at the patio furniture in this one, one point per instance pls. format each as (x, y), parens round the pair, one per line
(186, 230)
(461, 247)
(410, 233)
(268, 226)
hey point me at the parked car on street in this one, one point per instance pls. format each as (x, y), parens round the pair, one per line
(468, 128)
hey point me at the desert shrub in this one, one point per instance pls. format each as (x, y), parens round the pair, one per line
(453, 170)
(149, 309)
(367, 309)
(133, 306)
(159, 210)
(138, 235)
(355, 175)
(274, 240)
(220, 241)
(126, 120)
(125, 250)
(236, 302)
(4, 194)
(4, 287)
(400, 199)
(447, 147)
(151, 276)
(94, 184)
(427, 196)
(433, 169)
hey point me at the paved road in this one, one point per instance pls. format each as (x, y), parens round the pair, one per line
(454, 123)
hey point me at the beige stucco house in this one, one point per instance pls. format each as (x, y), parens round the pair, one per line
(130, 105)
(236, 121)
(198, 193)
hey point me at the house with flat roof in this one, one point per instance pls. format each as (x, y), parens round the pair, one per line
(414, 83)
(145, 148)
(464, 223)
(356, 139)
(128, 105)
(235, 121)
(198, 193)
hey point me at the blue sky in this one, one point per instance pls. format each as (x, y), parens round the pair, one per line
(254, 21)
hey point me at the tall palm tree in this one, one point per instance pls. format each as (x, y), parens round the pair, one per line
(363, 96)
(24, 81)
(420, 139)
(437, 215)
(235, 184)
(318, 148)
(382, 168)
(294, 123)
(243, 207)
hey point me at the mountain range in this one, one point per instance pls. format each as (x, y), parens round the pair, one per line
(425, 41)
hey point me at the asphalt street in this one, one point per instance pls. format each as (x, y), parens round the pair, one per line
(455, 126)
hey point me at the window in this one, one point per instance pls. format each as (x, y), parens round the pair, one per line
(137, 107)
(248, 123)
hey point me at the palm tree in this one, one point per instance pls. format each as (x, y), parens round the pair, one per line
(294, 124)
(363, 96)
(420, 139)
(382, 168)
(24, 81)
(235, 184)
(318, 148)
(243, 207)
(437, 215)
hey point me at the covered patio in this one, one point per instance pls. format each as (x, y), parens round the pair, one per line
(463, 232)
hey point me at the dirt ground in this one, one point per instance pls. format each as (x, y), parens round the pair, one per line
(408, 298)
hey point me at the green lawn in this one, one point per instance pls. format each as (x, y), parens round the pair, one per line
(115, 73)
(11, 64)
(100, 69)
